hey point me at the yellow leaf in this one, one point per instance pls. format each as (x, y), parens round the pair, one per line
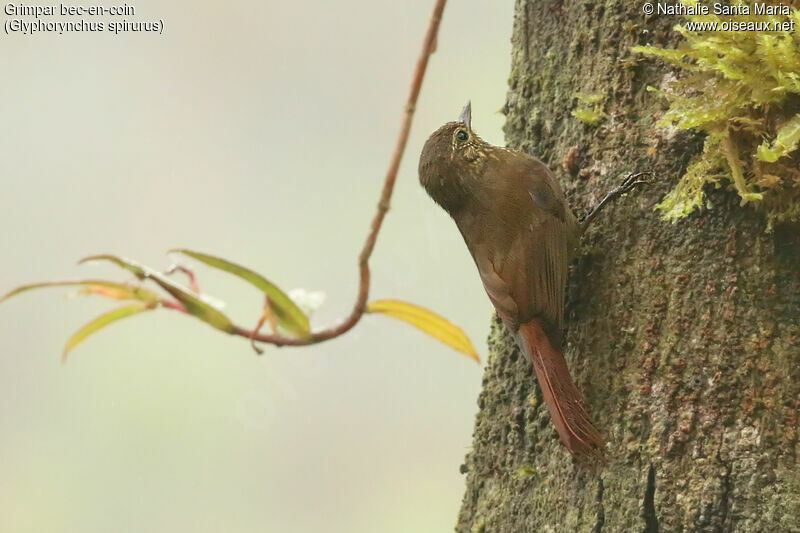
(104, 320)
(427, 321)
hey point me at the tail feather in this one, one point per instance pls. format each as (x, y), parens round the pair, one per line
(563, 399)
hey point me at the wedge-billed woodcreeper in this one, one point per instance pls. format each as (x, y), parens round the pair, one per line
(520, 231)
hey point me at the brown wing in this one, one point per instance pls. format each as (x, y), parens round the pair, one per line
(521, 242)
(536, 271)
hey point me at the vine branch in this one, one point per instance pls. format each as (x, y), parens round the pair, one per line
(360, 305)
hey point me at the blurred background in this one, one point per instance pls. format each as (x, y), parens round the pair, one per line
(260, 132)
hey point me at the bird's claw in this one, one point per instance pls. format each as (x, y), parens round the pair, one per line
(632, 181)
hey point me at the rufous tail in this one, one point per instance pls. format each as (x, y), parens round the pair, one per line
(564, 400)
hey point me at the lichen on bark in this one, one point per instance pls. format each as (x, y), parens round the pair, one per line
(685, 338)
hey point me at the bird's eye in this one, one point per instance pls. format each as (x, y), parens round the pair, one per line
(462, 135)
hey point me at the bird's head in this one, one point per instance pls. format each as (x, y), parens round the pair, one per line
(451, 160)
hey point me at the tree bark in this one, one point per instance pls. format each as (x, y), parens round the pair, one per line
(685, 338)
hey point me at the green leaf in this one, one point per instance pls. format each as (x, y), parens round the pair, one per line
(427, 321)
(289, 315)
(104, 320)
(195, 305)
(140, 271)
(109, 289)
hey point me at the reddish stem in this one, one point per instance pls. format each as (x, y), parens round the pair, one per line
(173, 304)
(189, 274)
(428, 47)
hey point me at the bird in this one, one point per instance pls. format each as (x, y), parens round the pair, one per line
(515, 221)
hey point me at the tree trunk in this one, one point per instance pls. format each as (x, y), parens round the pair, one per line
(685, 338)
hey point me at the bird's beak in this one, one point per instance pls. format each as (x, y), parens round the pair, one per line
(466, 115)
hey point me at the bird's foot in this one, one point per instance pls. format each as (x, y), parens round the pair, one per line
(631, 181)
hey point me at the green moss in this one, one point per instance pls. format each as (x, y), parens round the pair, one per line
(590, 98)
(525, 472)
(478, 527)
(590, 109)
(742, 89)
